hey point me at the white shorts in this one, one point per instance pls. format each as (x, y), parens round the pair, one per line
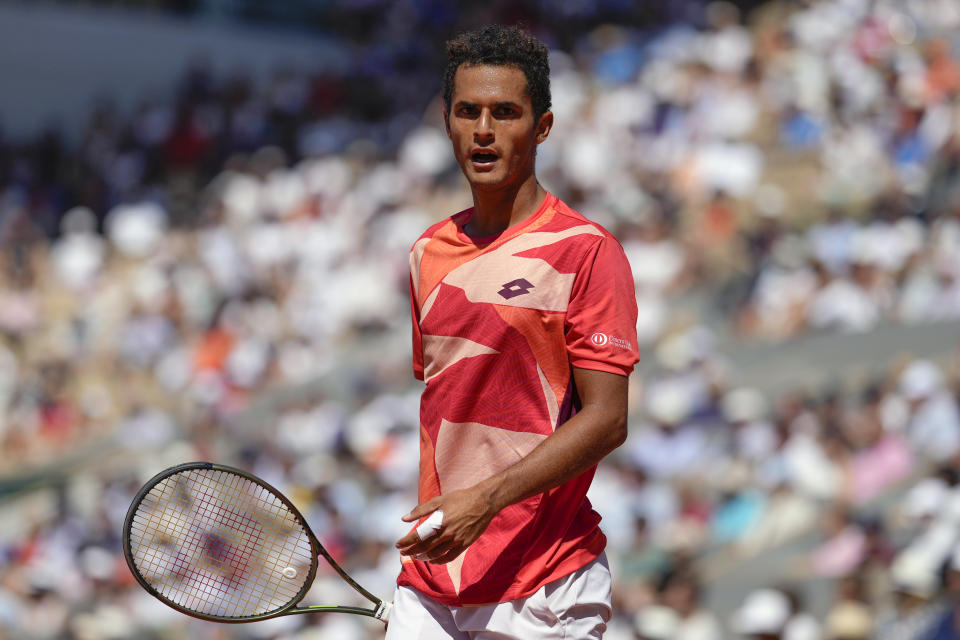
(575, 607)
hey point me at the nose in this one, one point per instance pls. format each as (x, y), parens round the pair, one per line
(483, 130)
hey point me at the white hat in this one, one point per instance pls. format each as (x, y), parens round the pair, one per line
(865, 250)
(849, 620)
(763, 611)
(950, 511)
(136, 229)
(657, 622)
(926, 498)
(936, 541)
(802, 626)
(915, 572)
(920, 380)
(743, 405)
(78, 220)
(675, 352)
(668, 403)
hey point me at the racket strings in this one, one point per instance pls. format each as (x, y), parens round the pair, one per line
(219, 544)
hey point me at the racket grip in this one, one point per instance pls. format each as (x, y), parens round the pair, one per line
(383, 611)
(431, 525)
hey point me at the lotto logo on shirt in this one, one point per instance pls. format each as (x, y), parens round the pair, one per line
(601, 339)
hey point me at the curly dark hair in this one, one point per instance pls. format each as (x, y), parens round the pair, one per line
(502, 46)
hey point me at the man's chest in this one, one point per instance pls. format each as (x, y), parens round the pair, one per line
(528, 273)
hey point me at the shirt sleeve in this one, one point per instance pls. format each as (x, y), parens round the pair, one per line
(601, 322)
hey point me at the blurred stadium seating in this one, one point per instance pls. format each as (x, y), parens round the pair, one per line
(219, 272)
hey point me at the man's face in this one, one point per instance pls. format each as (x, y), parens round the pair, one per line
(492, 127)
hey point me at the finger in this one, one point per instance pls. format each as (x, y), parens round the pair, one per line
(424, 531)
(441, 551)
(422, 510)
(449, 555)
(411, 546)
(428, 555)
(407, 541)
(425, 548)
(430, 526)
(421, 547)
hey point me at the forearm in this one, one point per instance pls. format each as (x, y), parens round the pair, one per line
(576, 446)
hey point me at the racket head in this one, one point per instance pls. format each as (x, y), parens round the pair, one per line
(220, 544)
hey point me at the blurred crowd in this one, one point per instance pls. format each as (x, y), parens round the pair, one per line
(223, 275)
(717, 475)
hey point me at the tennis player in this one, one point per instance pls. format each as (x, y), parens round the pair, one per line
(524, 330)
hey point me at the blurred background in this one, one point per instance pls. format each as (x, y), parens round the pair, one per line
(206, 208)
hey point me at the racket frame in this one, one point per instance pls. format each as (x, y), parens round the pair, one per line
(380, 611)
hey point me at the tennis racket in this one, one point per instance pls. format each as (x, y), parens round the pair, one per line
(220, 544)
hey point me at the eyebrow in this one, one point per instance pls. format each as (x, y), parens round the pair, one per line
(505, 103)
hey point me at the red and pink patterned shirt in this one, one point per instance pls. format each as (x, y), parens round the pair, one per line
(498, 324)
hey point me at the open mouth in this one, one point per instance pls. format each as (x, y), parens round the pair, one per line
(483, 158)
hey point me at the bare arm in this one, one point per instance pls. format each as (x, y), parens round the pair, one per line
(580, 443)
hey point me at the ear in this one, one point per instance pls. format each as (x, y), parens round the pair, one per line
(446, 122)
(544, 125)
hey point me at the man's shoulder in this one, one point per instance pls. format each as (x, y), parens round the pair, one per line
(447, 224)
(566, 217)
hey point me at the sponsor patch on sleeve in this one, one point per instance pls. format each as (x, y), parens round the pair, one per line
(601, 339)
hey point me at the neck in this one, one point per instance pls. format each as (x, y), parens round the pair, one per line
(497, 210)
